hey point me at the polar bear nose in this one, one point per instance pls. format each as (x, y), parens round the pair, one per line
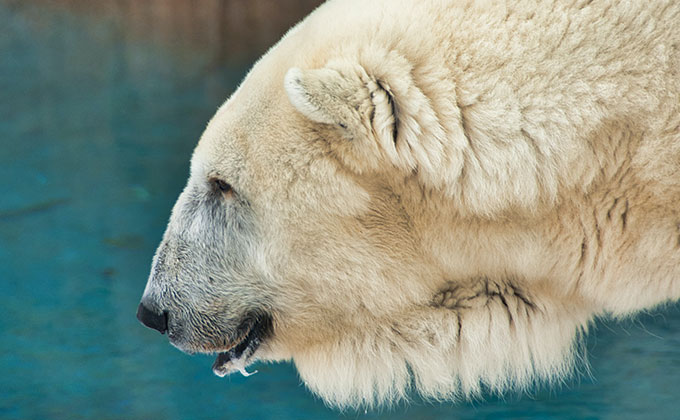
(151, 319)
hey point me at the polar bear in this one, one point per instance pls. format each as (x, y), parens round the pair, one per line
(431, 196)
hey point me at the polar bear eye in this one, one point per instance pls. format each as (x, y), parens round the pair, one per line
(221, 186)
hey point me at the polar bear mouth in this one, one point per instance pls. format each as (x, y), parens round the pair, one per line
(254, 330)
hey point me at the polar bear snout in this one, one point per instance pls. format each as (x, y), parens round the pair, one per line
(152, 319)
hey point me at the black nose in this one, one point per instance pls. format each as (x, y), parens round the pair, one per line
(158, 322)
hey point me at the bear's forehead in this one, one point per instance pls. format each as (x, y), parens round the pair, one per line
(254, 142)
(257, 125)
(257, 136)
(221, 149)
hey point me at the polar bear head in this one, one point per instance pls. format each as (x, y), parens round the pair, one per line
(281, 247)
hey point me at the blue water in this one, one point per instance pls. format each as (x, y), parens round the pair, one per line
(96, 132)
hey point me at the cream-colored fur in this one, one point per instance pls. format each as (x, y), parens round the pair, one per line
(446, 193)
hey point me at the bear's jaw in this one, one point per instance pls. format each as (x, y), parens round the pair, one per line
(240, 353)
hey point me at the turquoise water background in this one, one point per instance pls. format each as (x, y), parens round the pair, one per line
(96, 133)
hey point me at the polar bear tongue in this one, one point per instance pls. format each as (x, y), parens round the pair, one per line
(236, 358)
(225, 363)
(220, 367)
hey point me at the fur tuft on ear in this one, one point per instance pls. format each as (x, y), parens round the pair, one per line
(341, 94)
(344, 96)
(303, 92)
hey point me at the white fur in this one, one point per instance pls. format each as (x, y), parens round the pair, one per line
(448, 192)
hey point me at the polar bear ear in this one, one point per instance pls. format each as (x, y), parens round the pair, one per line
(345, 96)
(315, 94)
(373, 100)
